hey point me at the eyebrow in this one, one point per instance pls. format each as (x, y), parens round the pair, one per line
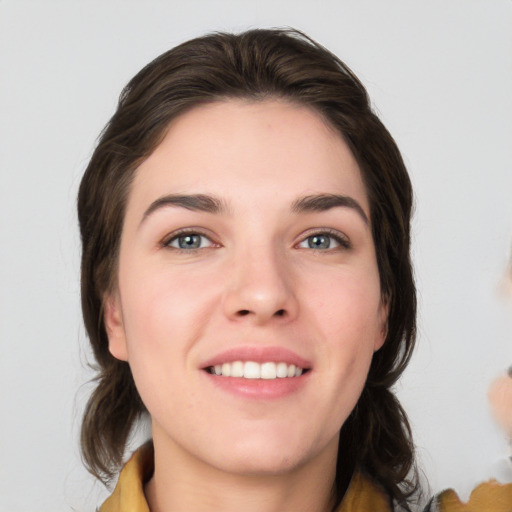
(324, 202)
(212, 204)
(194, 202)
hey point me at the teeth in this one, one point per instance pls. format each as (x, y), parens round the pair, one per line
(252, 370)
(268, 371)
(226, 369)
(237, 369)
(282, 370)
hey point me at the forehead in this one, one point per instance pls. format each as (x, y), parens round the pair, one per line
(250, 149)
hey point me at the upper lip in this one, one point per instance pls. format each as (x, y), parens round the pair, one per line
(258, 354)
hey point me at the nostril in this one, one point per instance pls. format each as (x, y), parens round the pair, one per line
(245, 312)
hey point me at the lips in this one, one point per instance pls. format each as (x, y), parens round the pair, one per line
(258, 372)
(249, 356)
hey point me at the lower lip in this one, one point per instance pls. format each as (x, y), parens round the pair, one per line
(259, 389)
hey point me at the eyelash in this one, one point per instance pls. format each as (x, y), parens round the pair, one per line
(339, 238)
(182, 233)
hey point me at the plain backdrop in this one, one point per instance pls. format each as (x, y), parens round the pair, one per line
(440, 75)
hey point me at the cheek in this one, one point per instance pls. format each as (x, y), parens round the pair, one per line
(159, 329)
(347, 305)
(164, 309)
(346, 311)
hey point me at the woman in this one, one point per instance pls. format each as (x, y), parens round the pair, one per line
(246, 282)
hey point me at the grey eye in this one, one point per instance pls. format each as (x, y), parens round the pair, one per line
(320, 241)
(189, 241)
(324, 241)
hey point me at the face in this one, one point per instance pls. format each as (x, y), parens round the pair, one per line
(248, 303)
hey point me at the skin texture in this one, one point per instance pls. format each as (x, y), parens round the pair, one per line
(254, 283)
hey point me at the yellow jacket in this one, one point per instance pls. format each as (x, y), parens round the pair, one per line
(362, 495)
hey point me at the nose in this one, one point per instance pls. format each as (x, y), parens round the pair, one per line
(260, 289)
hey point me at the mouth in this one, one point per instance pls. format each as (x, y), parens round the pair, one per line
(258, 373)
(253, 370)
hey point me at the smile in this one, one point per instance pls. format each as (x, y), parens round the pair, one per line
(253, 370)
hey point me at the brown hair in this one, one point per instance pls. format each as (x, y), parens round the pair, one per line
(255, 65)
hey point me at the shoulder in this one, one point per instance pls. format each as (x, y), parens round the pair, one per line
(363, 494)
(129, 491)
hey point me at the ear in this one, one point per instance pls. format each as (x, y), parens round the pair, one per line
(113, 318)
(382, 333)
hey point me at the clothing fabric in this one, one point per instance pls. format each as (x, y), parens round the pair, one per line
(128, 496)
(490, 496)
(363, 495)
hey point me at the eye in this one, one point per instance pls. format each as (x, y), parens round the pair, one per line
(189, 241)
(324, 241)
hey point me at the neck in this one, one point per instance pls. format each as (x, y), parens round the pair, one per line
(182, 482)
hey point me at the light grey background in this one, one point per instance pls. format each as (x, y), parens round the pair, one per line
(440, 74)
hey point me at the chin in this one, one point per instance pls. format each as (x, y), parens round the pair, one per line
(260, 464)
(267, 454)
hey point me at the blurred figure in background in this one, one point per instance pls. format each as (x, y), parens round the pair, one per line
(490, 496)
